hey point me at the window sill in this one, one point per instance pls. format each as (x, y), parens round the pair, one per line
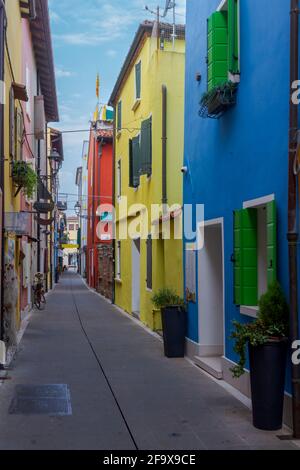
(249, 311)
(136, 104)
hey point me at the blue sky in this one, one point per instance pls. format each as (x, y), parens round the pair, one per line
(90, 36)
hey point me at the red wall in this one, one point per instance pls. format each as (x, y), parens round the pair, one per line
(100, 186)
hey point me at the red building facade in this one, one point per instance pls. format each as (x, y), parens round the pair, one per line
(99, 256)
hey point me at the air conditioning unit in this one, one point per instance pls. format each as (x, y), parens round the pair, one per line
(39, 118)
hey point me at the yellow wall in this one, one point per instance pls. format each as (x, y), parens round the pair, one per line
(14, 40)
(158, 68)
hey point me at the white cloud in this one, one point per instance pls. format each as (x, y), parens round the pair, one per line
(61, 73)
(111, 53)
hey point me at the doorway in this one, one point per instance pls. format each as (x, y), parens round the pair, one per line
(211, 299)
(136, 276)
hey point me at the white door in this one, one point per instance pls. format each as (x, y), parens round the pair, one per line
(136, 275)
(211, 292)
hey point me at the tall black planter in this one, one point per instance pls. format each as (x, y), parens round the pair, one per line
(174, 330)
(267, 373)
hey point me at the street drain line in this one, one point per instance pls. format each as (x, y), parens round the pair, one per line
(102, 369)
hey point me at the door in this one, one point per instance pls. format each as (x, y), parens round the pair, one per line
(136, 276)
(211, 295)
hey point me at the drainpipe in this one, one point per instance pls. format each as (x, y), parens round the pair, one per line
(164, 145)
(3, 26)
(292, 235)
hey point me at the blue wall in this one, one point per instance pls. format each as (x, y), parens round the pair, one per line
(243, 155)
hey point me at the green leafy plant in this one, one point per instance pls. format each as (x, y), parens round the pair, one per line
(166, 297)
(224, 90)
(25, 177)
(271, 323)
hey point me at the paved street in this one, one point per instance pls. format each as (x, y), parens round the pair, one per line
(124, 393)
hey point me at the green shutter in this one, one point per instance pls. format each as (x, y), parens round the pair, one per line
(249, 257)
(237, 257)
(245, 257)
(130, 165)
(217, 49)
(146, 147)
(119, 116)
(272, 241)
(233, 36)
(136, 161)
(138, 80)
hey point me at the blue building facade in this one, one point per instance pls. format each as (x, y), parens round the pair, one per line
(237, 166)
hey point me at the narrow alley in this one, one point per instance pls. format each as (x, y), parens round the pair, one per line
(122, 393)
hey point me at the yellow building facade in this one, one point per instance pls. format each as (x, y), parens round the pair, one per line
(149, 106)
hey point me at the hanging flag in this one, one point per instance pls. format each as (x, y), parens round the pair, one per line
(98, 86)
(96, 114)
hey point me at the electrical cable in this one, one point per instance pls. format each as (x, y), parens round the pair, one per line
(102, 368)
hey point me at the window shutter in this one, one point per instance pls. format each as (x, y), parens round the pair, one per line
(217, 49)
(138, 81)
(119, 116)
(245, 257)
(12, 123)
(130, 165)
(19, 129)
(146, 147)
(237, 257)
(149, 262)
(136, 161)
(233, 36)
(272, 241)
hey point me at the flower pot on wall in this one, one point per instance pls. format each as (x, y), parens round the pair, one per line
(174, 330)
(267, 374)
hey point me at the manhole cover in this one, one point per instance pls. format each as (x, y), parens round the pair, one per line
(41, 399)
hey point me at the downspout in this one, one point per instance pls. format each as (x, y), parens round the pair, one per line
(292, 235)
(93, 206)
(3, 26)
(164, 145)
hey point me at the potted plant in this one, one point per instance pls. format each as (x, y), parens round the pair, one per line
(267, 342)
(173, 321)
(215, 101)
(24, 177)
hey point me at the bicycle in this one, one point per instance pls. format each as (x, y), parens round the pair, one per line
(39, 299)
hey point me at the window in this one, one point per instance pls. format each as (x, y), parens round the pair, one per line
(28, 88)
(118, 263)
(119, 179)
(138, 78)
(223, 55)
(71, 227)
(255, 252)
(149, 262)
(119, 116)
(77, 226)
(140, 154)
(12, 129)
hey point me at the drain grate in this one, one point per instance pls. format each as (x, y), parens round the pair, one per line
(51, 399)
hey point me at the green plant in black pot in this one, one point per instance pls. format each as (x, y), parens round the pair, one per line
(266, 338)
(173, 315)
(24, 177)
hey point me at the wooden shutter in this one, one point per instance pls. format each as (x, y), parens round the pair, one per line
(217, 49)
(19, 130)
(138, 81)
(245, 257)
(272, 241)
(146, 147)
(233, 36)
(136, 161)
(149, 262)
(237, 257)
(12, 123)
(119, 116)
(130, 164)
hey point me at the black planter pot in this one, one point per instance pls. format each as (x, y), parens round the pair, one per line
(174, 330)
(267, 374)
